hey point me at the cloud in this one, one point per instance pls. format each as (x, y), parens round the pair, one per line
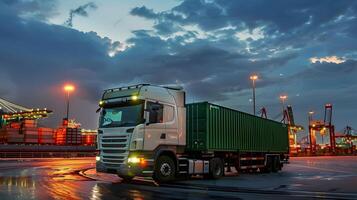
(347, 66)
(143, 11)
(36, 58)
(194, 44)
(281, 24)
(327, 59)
(80, 11)
(31, 9)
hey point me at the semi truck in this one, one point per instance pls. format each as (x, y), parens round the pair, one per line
(148, 130)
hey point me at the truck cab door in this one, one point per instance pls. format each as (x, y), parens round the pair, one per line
(171, 125)
(161, 127)
(155, 127)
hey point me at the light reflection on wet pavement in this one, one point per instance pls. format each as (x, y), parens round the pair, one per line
(327, 177)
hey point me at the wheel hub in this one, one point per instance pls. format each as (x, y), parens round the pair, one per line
(165, 169)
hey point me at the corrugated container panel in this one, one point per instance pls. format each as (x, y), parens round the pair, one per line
(215, 128)
(46, 135)
(89, 139)
(12, 135)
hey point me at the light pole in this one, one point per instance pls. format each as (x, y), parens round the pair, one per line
(310, 116)
(283, 98)
(68, 89)
(253, 78)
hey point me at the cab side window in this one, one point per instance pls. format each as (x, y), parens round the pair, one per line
(156, 111)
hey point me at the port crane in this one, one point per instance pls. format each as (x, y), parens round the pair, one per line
(288, 118)
(322, 127)
(10, 112)
(348, 135)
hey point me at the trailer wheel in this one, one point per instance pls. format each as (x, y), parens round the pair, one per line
(276, 164)
(216, 168)
(164, 169)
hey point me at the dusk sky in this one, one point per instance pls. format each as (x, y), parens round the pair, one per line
(306, 49)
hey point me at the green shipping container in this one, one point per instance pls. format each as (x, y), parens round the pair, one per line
(215, 128)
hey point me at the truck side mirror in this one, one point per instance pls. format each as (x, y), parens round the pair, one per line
(98, 110)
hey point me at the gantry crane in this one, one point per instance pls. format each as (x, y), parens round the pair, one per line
(10, 112)
(288, 118)
(322, 127)
(349, 135)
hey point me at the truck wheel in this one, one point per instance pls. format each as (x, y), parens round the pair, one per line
(164, 169)
(269, 164)
(276, 164)
(216, 168)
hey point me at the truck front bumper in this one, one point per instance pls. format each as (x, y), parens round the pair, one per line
(126, 169)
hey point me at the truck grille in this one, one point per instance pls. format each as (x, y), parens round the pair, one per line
(114, 150)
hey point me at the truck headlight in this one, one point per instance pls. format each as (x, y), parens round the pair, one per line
(133, 160)
(136, 160)
(97, 158)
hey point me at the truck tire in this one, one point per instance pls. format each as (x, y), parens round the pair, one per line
(164, 169)
(276, 164)
(269, 164)
(216, 168)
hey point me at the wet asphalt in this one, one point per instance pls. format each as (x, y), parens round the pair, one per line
(303, 178)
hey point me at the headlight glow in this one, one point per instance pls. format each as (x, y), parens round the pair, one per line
(137, 160)
(134, 98)
(133, 160)
(97, 158)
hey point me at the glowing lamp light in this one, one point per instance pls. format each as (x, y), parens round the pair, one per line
(134, 98)
(68, 88)
(133, 160)
(283, 97)
(253, 77)
(137, 160)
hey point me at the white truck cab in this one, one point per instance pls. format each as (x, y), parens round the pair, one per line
(137, 125)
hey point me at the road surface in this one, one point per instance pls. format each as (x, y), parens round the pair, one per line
(303, 178)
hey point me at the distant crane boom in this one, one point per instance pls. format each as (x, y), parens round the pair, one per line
(11, 107)
(13, 112)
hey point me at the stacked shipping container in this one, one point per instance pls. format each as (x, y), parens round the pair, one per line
(60, 136)
(28, 128)
(73, 136)
(27, 132)
(11, 135)
(68, 136)
(89, 139)
(46, 136)
(30, 135)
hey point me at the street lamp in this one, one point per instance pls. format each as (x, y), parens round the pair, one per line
(283, 98)
(253, 78)
(310, 116)
(68, 88)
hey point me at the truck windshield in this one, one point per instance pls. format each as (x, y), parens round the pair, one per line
(120, 115)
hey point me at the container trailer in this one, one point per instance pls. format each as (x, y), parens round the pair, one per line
(148, 130)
